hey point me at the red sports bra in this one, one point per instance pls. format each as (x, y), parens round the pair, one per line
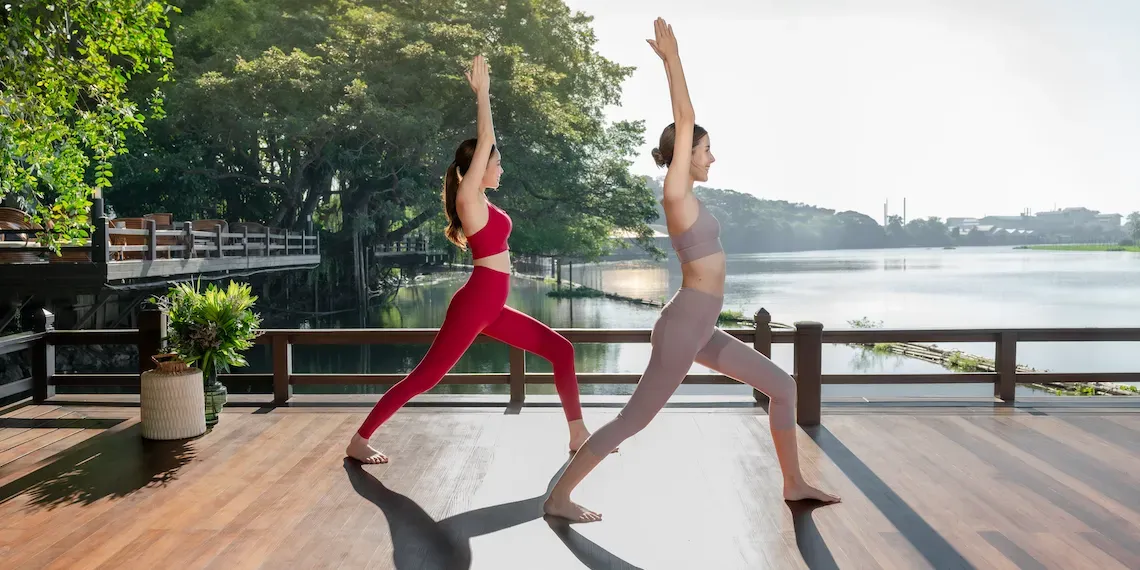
(491, 238)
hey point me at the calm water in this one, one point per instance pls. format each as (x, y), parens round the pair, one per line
(932, 288)
(969, 287)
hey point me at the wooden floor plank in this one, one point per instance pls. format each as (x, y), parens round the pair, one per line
(27, 418)
(103, 509)
(922, 488)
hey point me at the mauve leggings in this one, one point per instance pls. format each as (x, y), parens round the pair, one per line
(479, 306)
(685, 333)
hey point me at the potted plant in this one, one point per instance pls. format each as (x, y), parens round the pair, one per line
(210, 330)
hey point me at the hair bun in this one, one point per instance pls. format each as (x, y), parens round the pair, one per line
(657, 157)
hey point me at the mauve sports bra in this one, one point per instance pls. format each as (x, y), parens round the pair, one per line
(491, 238)
(702, 239)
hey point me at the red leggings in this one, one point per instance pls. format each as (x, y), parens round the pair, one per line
(480, 307)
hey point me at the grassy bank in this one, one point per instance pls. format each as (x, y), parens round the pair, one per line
(958, 361)
(1085, 247)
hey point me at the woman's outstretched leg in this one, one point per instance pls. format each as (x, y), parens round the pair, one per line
(733, 358)
(523, 331)
(677, 337)
(472, 307)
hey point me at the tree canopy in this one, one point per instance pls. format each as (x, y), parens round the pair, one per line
(66, 103)
(352, 109)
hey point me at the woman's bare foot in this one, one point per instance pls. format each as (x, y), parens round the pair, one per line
(360, 450)
(578, 435)
(800, 491)
(569, 510)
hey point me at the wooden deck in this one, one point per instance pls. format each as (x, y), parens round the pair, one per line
(1038, 485)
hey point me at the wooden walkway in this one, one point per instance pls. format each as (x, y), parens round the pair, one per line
(1035, 486)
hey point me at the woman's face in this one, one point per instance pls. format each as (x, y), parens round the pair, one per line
(702, 160)
(494, 171)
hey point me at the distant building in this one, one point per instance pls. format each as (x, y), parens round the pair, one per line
(1071, 223)
(962, 224)
(1110, 222)
(1017, 222)
(1066, 218)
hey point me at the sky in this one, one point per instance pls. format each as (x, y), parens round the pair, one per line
(963, 107)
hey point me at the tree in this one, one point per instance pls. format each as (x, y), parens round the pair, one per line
(1134, 226)
(65, 68)
(280, 106)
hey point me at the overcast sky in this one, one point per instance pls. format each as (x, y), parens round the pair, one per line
(964, 107)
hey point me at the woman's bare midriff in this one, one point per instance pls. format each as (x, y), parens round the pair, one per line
(705, 274)
(499, 262)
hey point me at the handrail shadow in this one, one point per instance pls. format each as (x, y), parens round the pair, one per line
(59, 423)
(927, 541)
(111, 465)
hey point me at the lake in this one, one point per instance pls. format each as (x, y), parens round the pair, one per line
(902, 288)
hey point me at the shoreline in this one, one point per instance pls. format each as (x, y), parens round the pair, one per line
(1079, 247)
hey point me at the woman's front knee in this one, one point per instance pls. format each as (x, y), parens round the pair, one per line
(783, 389)
(559, 349)
(632, 423)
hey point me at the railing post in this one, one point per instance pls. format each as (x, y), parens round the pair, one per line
(518, 375)
(188, 227)
(268, 240)
(245, 240)
(151, 239)
(1006, 365)
(282, 370)
(221, 250)
(43, 355)
(762, 342)
(100, 241)
(152, 335)
(808, 371)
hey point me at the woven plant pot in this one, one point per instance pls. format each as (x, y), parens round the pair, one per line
(171, 401)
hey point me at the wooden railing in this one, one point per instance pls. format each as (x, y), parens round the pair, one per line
(109, 243)
(807, 339)
(184, 243)
(416, 245)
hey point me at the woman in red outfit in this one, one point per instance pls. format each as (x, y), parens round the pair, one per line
(480, 305)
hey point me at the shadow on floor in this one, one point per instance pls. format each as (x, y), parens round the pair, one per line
(813, 548)
(926, 540)
(108, 465)
(420, 542)
(59, 423)
(585, 550)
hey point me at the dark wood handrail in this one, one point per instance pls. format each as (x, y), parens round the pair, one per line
(871, 336)
(808, 339)
(426, 335)
(190, 242)
(17, 342)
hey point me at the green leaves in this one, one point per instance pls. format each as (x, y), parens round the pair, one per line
(210, 329)
(276, 99)
(66, 100)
